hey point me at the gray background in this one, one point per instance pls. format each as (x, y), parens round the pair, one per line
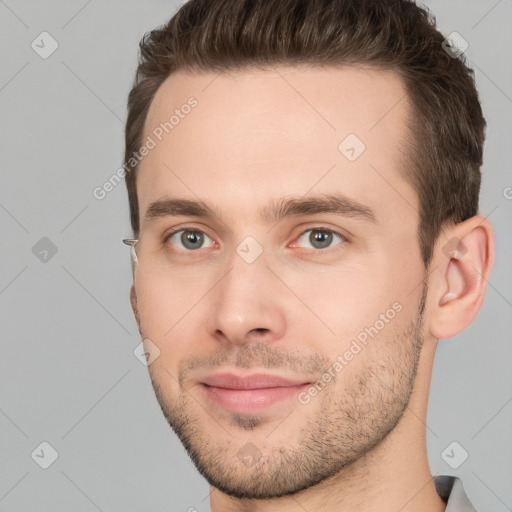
(68, 375)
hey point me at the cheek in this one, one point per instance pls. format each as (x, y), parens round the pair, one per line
(160, 315)
(172, 316)
(160, 307)
(359, 308)
(345, 299)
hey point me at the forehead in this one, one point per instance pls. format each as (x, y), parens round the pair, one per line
(237, 139)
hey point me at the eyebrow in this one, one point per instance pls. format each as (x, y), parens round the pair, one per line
(275, 211)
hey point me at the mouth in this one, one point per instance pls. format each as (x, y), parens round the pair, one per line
(249, 394)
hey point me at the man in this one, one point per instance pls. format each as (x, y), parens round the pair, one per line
(303, 181)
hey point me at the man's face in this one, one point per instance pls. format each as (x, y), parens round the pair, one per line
(288, 344)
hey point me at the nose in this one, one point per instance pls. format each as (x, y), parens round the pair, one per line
(247, 305)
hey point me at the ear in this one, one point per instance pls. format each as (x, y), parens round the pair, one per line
(133, 302)
(463, 259)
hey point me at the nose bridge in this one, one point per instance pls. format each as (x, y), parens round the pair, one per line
(245, 304)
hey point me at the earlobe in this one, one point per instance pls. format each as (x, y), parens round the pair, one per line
(464, 259)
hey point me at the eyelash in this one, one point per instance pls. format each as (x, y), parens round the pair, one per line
(343, 239)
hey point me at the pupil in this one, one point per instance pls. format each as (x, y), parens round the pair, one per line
(192, 237)
(320, 239)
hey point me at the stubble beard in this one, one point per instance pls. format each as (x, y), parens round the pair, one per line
(346, 427)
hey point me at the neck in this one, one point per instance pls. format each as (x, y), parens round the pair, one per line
(394, 476)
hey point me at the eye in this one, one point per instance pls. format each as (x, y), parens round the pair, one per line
(194, 239)
(319, 238)
(190, 239)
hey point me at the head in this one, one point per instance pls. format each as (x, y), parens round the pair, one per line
(445, 147)
(295, 220)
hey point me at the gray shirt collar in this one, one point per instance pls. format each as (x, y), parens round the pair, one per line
(451, 490)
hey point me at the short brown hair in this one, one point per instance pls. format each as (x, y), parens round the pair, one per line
(447, 125)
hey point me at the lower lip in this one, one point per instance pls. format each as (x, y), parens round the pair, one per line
(250, 400)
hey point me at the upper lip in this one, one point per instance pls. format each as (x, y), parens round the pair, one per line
(255, 381)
